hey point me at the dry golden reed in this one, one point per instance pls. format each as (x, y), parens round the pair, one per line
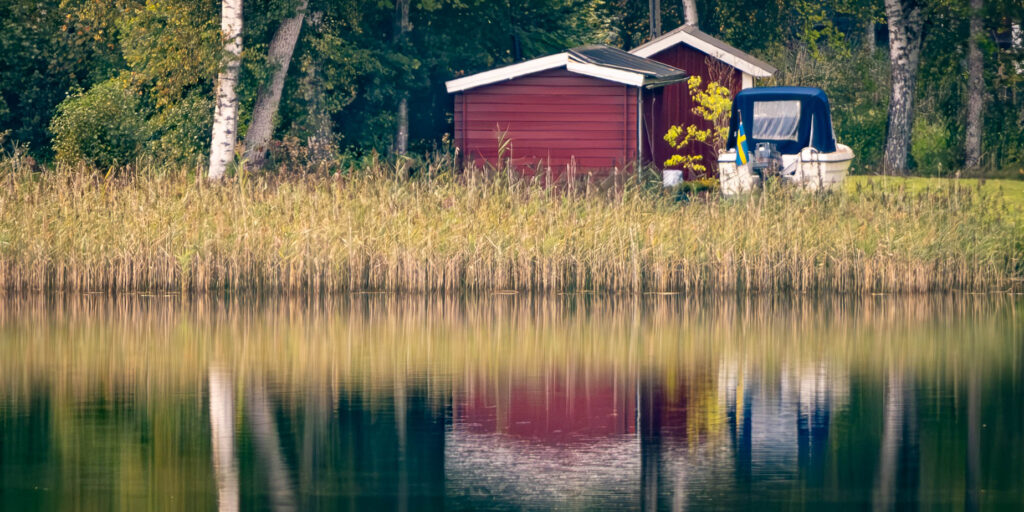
(367, 230)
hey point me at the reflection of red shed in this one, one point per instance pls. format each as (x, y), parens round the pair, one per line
(574, 107)
(699, 54)
(554, 410)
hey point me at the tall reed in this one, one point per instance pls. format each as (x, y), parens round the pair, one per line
(367, 230)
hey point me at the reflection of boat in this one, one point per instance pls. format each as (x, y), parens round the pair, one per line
(789, 135)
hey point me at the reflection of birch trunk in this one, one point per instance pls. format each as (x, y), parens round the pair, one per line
(400, 431)
(973, 477)
(222, 430)
(264, 429)
(891, 434)
(898, 473)
(313, 431)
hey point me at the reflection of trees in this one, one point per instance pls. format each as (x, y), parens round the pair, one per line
(898, 467)
(363, 455)
(268, 445)
(972, 498)
(222, 432)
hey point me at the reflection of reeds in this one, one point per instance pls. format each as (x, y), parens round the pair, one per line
(371, 232)
(76, 345)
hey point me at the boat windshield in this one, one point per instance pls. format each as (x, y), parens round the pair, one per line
(776, 120)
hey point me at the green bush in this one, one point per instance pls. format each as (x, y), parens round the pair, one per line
(929, 147)
(181, 131)
(102, 126)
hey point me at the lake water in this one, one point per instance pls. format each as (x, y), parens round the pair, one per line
(377, 402)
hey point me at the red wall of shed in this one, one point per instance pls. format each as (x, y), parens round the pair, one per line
(552, 118)
(671, 105)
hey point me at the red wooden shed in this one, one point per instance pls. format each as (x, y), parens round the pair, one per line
(577, 108)
(698, 53)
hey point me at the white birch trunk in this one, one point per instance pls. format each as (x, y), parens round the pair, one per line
(690, 13)
(261, 129)
(975, 89)
(1017, 34)
(905, 25)
(225, 116)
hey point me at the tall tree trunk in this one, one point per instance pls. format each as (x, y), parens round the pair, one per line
(654, 12)
(225, 115)
(690, 13)
(402, 28)
(869, 37)
(279, 55)
(1017, 36)
(905, 27)
(975, 89)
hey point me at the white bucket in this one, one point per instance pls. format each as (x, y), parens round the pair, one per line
(671, 177)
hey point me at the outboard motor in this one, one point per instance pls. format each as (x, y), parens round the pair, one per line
(767, 161)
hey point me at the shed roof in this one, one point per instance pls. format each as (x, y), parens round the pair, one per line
(598, 61)
(691, 35)
(609, 57)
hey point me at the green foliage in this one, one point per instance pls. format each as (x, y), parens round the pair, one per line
(816, 26)
(47, 48)
(858, 89)
(102, 126)
(349, 68)
(181, 131)
(930, 148)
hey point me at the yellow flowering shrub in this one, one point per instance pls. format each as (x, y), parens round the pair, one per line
(712, 103)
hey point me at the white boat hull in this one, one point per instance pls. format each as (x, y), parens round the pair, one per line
(810, 170)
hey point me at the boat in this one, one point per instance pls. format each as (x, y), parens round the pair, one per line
(789, 136)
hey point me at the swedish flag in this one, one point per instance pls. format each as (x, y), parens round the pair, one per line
(742, 151)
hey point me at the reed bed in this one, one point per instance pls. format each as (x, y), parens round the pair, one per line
(368, 231)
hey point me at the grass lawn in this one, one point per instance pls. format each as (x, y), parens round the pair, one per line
(1012, 191)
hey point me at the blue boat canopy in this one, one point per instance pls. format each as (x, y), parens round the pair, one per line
(792, 118)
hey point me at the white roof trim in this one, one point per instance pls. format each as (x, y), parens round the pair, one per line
(558, 60)
(508, 72)
(611, 74)
(667, 42)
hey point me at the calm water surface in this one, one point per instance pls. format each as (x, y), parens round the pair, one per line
(505, 402)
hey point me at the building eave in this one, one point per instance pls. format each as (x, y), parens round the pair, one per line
(721, 51)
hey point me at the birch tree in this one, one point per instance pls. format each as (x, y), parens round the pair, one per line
(905, 35)
(279, 55)
(690, 13)
(975, 88)
(225, 115)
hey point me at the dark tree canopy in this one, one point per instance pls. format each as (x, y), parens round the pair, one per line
(348, 70)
